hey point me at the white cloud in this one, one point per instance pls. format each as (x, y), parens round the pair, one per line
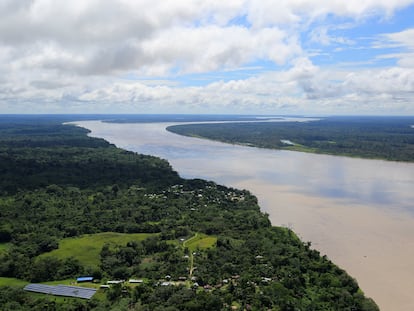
(304, 87)
(107, 36)
(321, 35)
(211, 47)
(282, 12)
(73, 54)
(404, 40)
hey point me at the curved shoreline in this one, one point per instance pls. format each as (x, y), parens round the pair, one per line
(348, 146)
(373, 244)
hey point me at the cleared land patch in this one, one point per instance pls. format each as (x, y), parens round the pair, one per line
(200, 241)
(86, 248)
(12, 282)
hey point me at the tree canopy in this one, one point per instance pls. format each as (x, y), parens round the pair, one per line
(389, 138)
(211, 244)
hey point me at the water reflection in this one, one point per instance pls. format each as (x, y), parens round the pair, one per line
(364, 181)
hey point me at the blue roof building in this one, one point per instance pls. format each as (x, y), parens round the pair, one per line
(84, 279)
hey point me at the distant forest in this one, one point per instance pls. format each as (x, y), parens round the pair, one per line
(388, 138)
(62, 191)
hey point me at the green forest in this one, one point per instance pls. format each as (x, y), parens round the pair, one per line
(388, 138)
(71, 206)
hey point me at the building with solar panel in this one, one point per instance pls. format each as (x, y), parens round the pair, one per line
(62, 290)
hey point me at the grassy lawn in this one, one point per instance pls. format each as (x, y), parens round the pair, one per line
(12, 282)
(301, 148)
(86, 248)
(200, 241)
(63, 282)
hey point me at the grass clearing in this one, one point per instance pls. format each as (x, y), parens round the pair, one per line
(86, 248)
(301, 148)
(63, 282)
(72, 282)
(12, 282)
(200, 241)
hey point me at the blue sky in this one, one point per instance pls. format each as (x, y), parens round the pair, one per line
(193, 56)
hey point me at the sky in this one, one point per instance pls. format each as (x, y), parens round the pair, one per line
(320, 57)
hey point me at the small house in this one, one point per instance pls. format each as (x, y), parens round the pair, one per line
(115, 282)
(136, 281)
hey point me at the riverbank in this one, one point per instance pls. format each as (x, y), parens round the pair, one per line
(375, 246)
(358, 212)
(386, 138)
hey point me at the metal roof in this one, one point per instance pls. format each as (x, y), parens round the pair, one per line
(62, 290)
(84, 279)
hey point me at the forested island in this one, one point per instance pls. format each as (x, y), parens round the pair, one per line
(388, 138)
(72, 205)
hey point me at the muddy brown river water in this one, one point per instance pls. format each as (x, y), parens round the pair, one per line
(358, 212)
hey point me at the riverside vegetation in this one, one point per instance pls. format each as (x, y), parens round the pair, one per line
(72, 205)
(388, 138)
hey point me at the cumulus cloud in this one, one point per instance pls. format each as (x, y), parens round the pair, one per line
(404, 40)
(105, 37)
(72, 54)
(99, 37)
(305, 87)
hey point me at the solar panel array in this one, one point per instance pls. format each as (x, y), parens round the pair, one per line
(62, 290)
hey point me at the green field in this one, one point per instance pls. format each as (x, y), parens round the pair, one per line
(86, 248)
(200, 241)
(12, 282)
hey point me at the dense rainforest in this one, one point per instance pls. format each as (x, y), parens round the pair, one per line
(388, 138)
(71, 205)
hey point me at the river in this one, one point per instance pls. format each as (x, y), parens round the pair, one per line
(358, 212)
